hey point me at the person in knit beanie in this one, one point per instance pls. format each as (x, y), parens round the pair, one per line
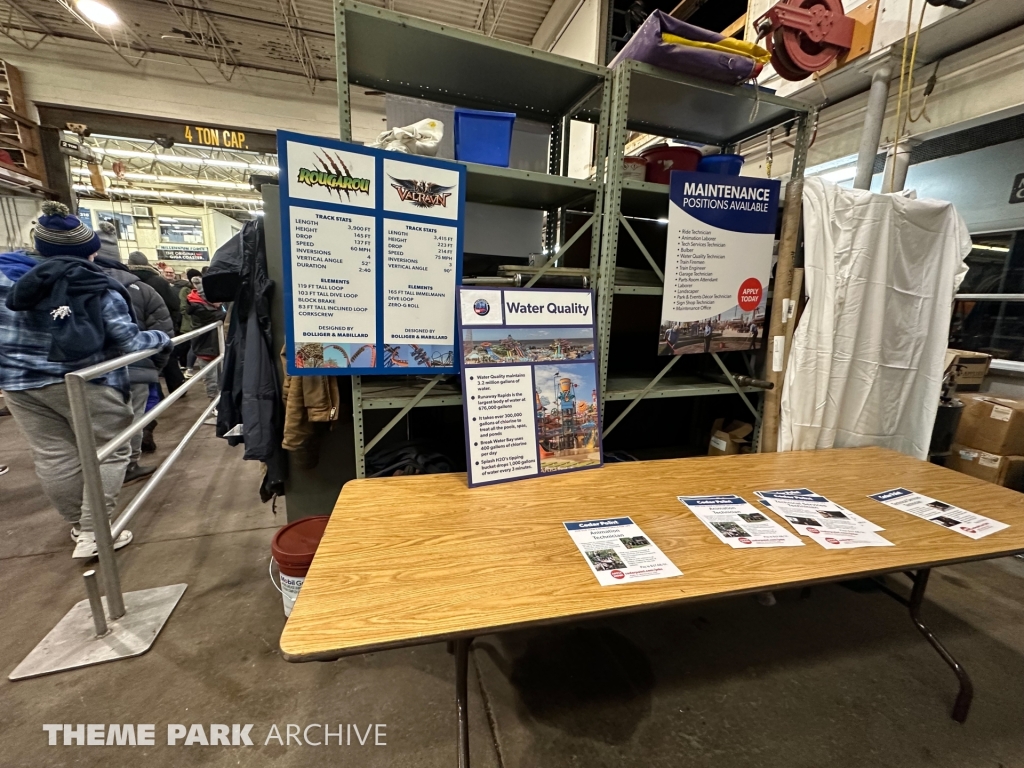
(59, 315)
(58, 233)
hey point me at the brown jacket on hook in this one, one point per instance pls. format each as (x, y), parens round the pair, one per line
(309, 400)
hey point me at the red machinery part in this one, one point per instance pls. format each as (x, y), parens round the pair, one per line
(805, 36)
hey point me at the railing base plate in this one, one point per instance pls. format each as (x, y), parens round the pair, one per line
(73, 642)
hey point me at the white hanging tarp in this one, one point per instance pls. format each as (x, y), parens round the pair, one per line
(868, 355)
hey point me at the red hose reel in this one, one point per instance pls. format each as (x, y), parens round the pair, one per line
(805, 36)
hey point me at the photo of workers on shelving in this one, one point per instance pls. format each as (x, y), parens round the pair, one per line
(729, 331)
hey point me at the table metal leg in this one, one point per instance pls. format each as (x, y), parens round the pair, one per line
(461, 697)
(966, 694)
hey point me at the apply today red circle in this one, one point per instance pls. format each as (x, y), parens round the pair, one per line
(749, 295)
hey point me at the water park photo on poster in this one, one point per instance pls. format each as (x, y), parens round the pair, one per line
(526, 345)
(568, 424)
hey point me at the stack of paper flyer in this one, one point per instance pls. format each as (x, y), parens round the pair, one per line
(737, 523)
(955, 518)
(619, 552)
(822, 520)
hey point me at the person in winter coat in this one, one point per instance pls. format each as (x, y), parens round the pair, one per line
(59, 315)
(151, 315)
(205, 347)
(184, 351)
(109, 248)
(139, 265)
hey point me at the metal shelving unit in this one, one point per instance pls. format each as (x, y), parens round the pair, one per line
(403, 55)
(663, 103)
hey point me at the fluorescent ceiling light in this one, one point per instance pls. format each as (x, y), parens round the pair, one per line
(98, 13)
(159, 179)
(999, 248)
(186, 160)
(160, 194)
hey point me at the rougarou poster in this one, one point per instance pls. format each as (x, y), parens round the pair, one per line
(372, 246)
(718, 261)
(529, 382)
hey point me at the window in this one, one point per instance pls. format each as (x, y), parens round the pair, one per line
(982, 320)
(123, 223)
(181, 231)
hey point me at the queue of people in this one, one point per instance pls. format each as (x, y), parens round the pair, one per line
(69, 303)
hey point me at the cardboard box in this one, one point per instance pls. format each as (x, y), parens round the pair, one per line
(729, 439)
(972, 369)
(992, 424)
(1007, 471)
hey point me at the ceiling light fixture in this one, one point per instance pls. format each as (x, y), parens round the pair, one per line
(98, 13)
(186, 160)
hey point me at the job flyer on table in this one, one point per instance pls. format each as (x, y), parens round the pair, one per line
(529, 382)
(618, 552)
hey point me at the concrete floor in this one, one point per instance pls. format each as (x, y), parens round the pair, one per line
(838, 678)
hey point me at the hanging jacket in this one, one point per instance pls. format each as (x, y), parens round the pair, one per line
(250, 385)
(151, 315)
(312, 405)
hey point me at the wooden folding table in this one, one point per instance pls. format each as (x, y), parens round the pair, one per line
(412, 560)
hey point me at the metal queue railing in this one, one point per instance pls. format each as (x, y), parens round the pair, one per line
(72, 643)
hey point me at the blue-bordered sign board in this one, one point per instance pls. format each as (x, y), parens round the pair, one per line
(372, 245)
(529, 382)
(718, 261)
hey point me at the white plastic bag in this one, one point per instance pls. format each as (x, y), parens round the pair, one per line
(419, 138)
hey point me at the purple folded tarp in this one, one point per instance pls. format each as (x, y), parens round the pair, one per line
(646, 45)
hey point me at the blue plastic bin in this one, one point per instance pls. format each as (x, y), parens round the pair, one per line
(483, 137)
(727, 165)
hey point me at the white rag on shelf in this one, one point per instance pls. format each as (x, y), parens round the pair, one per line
(419, 138)
(868, 355)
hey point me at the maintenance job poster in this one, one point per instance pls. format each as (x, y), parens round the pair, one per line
(529, 382)
(372, 255)
(718, 261)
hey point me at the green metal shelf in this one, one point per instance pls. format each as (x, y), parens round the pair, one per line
(639, 290)
(404, 55)
(381, 393)
(678, 106)
(670, 105)
(629, 388)
(525, 189)
(644, 199)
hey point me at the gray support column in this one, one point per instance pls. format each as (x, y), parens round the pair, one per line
(871, 134)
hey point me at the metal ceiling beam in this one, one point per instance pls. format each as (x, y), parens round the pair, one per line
(299, 43)
(497, 17)
(19, 33)
(110, 38)
(204, 32)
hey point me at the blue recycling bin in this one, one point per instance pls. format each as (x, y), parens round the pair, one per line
(483, 137)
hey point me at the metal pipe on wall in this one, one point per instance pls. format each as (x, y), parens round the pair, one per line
(871, 134)
(897, 163)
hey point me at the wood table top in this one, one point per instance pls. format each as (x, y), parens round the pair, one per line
(408, 560)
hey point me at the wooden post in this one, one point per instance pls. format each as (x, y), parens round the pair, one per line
(775, 360)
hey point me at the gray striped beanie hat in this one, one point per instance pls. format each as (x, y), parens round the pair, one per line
(58, 233)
